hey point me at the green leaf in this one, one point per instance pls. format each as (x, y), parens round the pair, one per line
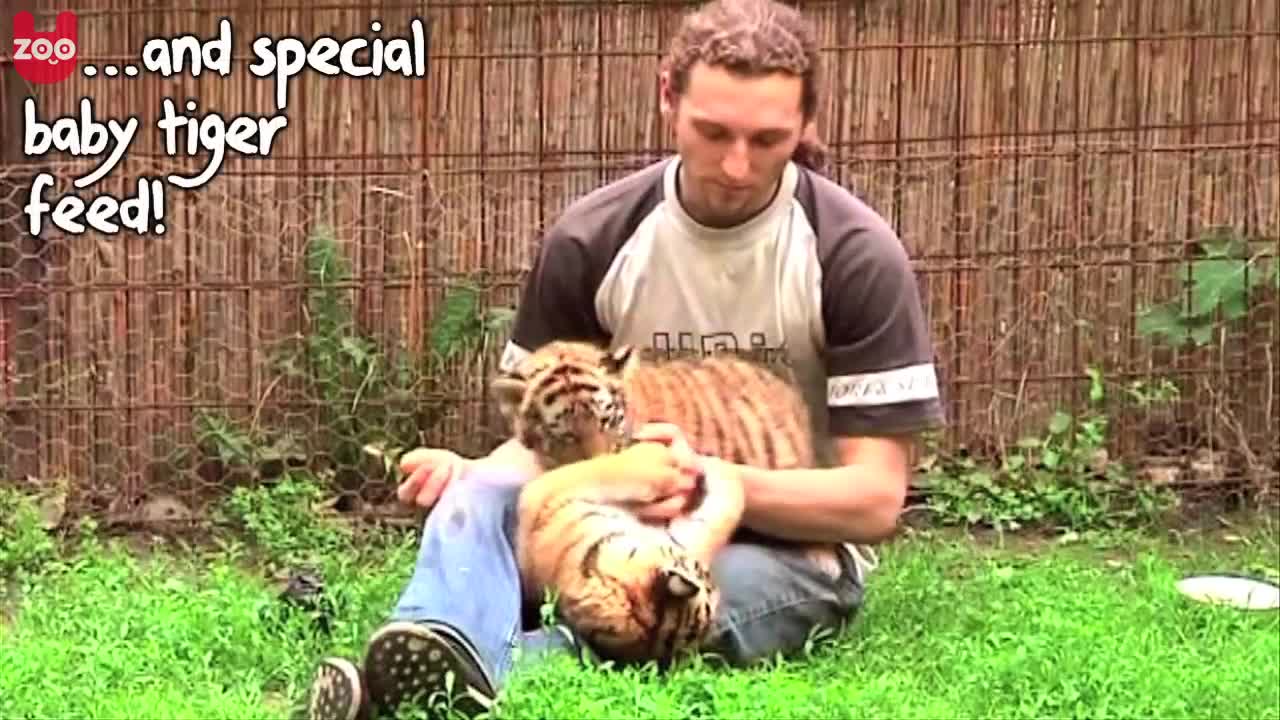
(1223, 242)
(499, 319)
(1162, 320)
(1059, 423)
(355, 349)
(1235, 305)
(1262, 272)
(456, 322)
(1217, 282)
(1202, 334)
(1051, 458)
(1096, 387)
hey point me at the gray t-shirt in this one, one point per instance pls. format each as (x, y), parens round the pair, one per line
(817, 282)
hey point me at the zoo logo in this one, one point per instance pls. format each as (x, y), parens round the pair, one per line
(45, 58)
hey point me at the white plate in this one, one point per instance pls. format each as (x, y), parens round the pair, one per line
(1241, 592)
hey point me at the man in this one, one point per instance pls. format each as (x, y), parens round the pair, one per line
(731, 243)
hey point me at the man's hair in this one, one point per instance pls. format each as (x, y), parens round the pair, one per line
(752, 38)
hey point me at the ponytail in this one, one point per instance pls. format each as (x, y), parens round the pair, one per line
(812, 152)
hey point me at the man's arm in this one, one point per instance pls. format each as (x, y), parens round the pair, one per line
(882, 392)
(558, 298)
(858, 501)
(558, 302)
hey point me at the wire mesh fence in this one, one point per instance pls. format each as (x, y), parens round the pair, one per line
(1091, 192)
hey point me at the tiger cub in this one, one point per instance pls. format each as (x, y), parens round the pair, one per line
(633, 591)
(571, 402)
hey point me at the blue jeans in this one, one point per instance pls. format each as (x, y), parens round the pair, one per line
(466, 577)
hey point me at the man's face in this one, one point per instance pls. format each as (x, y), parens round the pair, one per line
(735, 135)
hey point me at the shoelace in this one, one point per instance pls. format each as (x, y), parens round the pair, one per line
(865, 559)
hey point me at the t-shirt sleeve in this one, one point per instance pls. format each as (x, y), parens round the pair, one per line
(881, 375)
(558, 301)
(558, 298)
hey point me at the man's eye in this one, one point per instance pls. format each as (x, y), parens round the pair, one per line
(714, 134)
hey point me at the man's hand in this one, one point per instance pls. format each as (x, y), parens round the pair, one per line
(674, 503)
(428, 471)
(655, 481)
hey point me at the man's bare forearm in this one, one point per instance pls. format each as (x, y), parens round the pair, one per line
(841, 504)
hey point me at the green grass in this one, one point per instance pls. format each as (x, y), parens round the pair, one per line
(954, 627)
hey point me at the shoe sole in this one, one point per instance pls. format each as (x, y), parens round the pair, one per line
(337, 692)
(407, 661)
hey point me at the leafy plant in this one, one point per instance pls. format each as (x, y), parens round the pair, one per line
(25, 544)
(283, 519)
(369, 402)
(1062, 477)
(234, 446)
(368, 395)
(362, 394)
(1222, 282)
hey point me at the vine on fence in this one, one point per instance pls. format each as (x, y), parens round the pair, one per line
(1064, 476)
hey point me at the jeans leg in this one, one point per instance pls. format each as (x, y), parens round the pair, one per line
(772, 599)
(465, 575)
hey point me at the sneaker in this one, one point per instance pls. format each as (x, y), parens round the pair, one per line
(865, 560)
(409, 661)
(337, 692)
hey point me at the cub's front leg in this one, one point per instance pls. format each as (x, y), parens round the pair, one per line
(709, 526)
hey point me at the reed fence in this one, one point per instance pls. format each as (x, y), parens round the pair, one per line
(1052, 165)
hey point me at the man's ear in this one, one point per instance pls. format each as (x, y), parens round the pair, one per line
(508, 391)
(666, 98)
(809, 131)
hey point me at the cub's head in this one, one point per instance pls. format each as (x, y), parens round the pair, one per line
(567, 400)
(655, 606)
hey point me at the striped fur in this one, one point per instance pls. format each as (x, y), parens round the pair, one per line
(575, 406)
(570, 401)
(633, 591)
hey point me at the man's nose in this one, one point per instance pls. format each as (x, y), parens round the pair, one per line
(736, 162)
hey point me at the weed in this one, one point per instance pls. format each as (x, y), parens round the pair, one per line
(1063, 477)
(283, 520)
(25, 544)
(369, 402)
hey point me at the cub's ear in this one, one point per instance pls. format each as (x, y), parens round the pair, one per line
(509, 392)
(621, 360)
(678, 584)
